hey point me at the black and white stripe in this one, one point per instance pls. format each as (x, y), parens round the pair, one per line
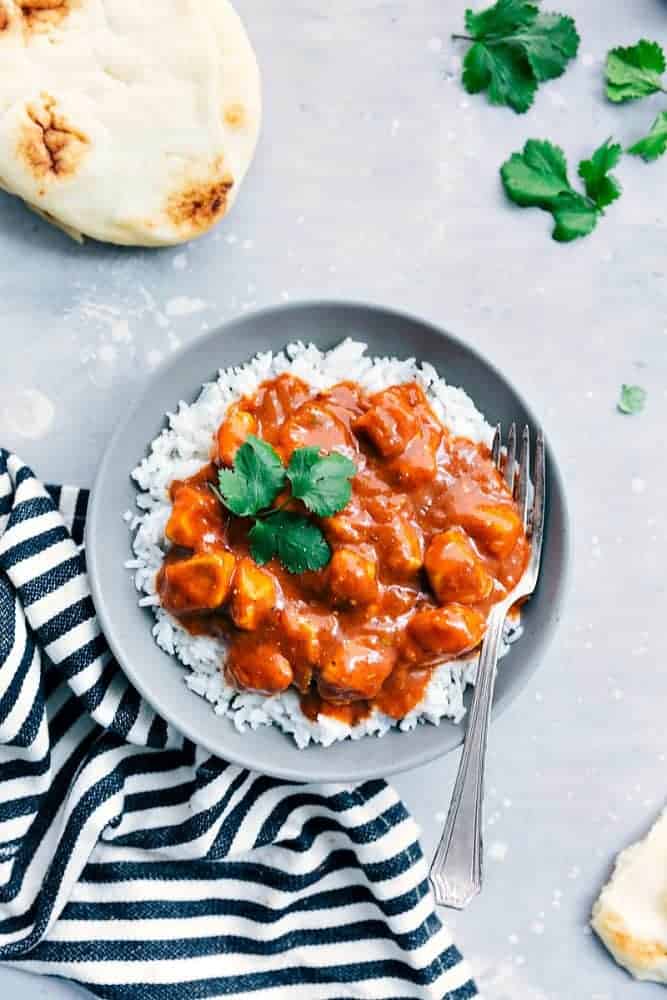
(138, 865)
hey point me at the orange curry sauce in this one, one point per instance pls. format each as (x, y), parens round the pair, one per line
(430, 540)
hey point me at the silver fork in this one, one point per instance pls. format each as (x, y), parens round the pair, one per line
(456, 872)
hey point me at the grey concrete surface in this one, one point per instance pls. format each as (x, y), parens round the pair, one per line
(377, 180)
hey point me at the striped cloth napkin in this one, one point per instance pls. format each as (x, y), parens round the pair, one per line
(136, 864)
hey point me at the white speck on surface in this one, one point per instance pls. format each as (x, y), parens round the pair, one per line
(161, 321)
(588, 59)
(154, 358)
(617, 694)
(27, 412)
(231, 239)
(120, 332)
(520, 960)
(107, 353)
(440, 816)
(537, 927)
(395, 126)
(507, 803)
(464, 104)
(574, 872)
(513, 939)
(181, 305)
(498, 850)
(434, 44)
(248, 244)
(539, 696)
(180, 262)
(638, 485)
(556, 98)
(285, 296)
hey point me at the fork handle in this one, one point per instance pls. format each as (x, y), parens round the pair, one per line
(456, 872)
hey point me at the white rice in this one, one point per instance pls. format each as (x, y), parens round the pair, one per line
(180, 451)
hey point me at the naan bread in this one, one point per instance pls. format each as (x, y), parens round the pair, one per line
(130, 121)
(631, 914)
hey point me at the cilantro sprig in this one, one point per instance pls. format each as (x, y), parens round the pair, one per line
(635, 71)
(321, 482)
(514, 49)
(538, 178)
(632, 73)
(632, 399)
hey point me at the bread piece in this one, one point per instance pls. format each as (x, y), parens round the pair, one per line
(631, 914)
(132, 123)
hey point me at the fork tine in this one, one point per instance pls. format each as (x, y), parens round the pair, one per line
(497, 443)
(510, 459)
(524, 475)
(539, 500)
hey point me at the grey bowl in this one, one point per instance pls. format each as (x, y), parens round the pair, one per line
(159, 677)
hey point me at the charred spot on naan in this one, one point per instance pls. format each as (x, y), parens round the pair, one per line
(41, 15)
(49, 145)
(641, 954)
(197, 205)
(4, 17)
(235, 115)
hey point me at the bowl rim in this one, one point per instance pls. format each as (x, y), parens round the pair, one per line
(152, 697)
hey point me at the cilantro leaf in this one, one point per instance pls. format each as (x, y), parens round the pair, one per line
(574, 216)
(601, 187)
(256, 480)
(297, 542)
(500, 19)
(538, 178)
(549, 43)
(505, 74)
(632, 399)
(322, 482)
(654, 144)
(635, 71)
(515, 48)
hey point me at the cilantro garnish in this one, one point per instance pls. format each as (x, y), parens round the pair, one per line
(256, 480)
(635, 71)
(515, 48)
(297, 542)
(321, 482)
(632, 399)
(538, 178)
(654, 144)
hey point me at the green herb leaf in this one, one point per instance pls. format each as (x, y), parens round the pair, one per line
(515, 49)
(601, 187)
(635, 71)
(654, 144)
(632, 399)
(322, 482)
(538, 178)
(502, 18)
(256, 480)
(297, 542)
(574, 216)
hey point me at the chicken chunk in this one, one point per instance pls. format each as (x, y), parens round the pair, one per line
(196, 518)
(402, 547)
(448, 631)
(314, 425)
(388, 424)
(455, 571)
(417, 463)
(254, 595)
(233, 432)
(200, 583)
(496, 527)
(353, 578)
(259, 667)
(307, 635)
(354, 671)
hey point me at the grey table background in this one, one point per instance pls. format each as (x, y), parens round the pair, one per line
(377, 180)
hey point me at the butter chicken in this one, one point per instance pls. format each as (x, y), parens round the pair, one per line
(429, 541)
